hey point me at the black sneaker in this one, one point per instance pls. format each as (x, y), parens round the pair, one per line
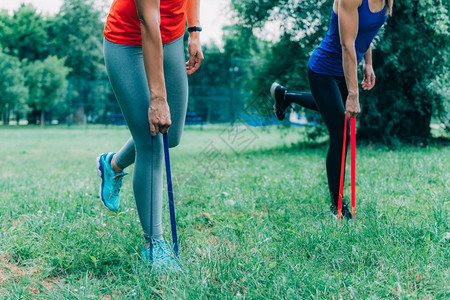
(280, 104)
(345, 211)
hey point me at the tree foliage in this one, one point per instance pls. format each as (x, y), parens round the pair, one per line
(24, 34)
(217, 89)
(410, 59)
(412, 54)
(76, 34)
(13, 92)
(73, 34)
(47, 83)
(302, 25)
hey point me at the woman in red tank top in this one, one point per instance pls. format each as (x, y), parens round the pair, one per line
(144, 57)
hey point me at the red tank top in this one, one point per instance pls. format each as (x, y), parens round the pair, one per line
(123, 25)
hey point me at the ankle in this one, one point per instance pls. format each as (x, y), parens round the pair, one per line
(114, 166)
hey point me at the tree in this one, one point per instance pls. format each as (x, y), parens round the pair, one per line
(13, 93)
(410, 58)
(24, 34)
(442, 87)
(4, 26)
(217, 89)
(302, 24)
(47, 84)
(411, 55)
(76, 34)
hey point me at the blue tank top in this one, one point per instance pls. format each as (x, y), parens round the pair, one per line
(327, 58)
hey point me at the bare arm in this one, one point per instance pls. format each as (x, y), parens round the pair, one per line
(194, 44)
(158, 113)
(348, 30)
(369, 76)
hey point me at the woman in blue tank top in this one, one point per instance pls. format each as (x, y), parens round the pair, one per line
(333, 79)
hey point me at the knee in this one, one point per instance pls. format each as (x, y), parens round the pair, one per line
(336, 135)
(146, 144)
(144, 147)
(176, 130)
(174, 140)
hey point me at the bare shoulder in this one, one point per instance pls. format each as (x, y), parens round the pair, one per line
(346, 4)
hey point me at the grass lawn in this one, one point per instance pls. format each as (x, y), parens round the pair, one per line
(252, 214)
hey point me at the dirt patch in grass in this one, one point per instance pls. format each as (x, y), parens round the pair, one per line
(11, 271)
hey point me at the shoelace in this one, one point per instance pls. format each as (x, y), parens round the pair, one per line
(163, 250)
(164, 255)
(117, 183)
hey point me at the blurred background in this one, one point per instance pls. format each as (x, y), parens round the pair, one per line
(52, 70)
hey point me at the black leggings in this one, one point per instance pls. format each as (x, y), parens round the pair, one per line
(328, 97)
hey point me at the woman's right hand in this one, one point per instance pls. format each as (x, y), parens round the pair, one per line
(152, 52)
(159, 116)
(352, 105)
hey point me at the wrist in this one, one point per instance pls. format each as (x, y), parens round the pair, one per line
(194, 35)
(157, 99)
(194, 29)
(353, 94)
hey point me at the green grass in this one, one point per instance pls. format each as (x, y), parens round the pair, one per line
(254, 225)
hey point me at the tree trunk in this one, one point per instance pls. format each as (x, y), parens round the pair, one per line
(423, 125)
(42, 119)
(79, 116)
(6, 115)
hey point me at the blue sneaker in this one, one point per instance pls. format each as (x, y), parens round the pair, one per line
(109, 191)
(162, 260)
(145, 255)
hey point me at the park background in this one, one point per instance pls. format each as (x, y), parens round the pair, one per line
(250, 191)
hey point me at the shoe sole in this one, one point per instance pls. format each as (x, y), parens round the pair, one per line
(100, 173)
(272, 90)
(273, 87)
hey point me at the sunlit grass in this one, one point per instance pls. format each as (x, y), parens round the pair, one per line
(253, 221)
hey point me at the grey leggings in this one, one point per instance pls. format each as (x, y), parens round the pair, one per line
(125, 67)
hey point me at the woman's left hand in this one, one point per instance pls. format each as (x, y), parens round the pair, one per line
(369, 77)
(195, 53)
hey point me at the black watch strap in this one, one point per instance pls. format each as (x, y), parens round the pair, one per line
(194, 28)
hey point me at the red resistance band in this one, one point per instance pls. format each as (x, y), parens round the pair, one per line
(353, 163)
